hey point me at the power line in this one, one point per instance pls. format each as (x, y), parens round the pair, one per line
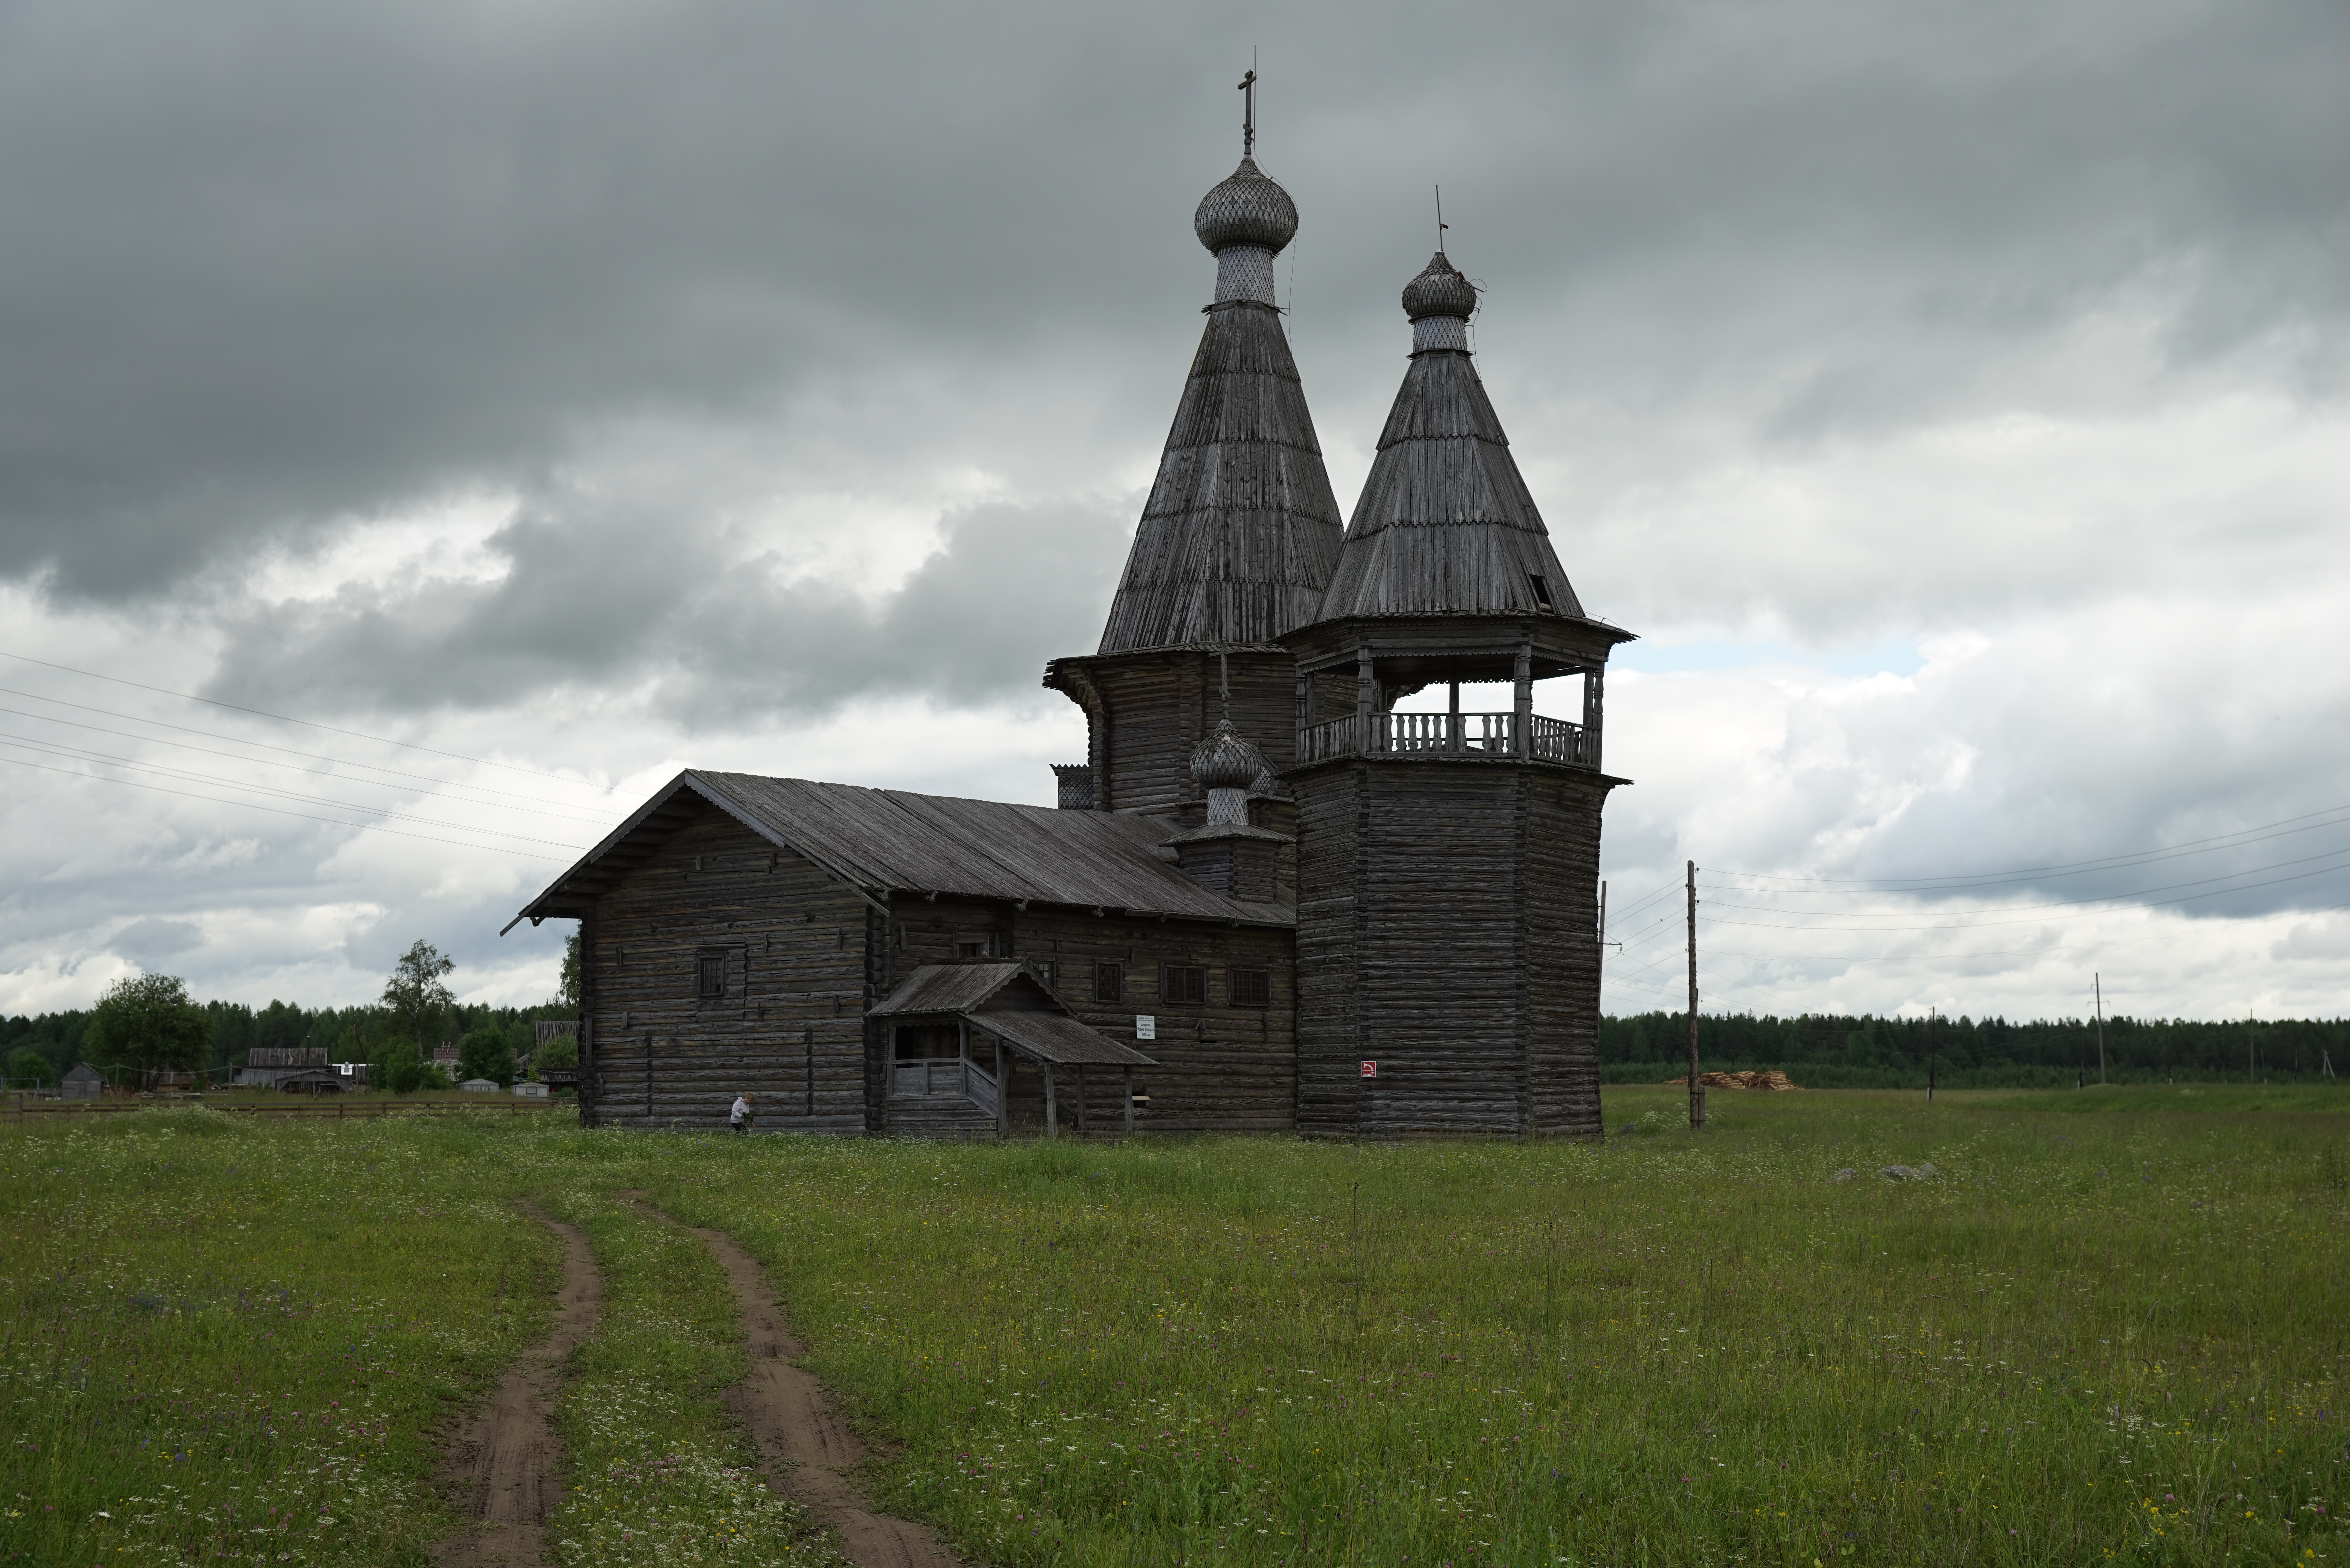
(2037, 873)
(1977, 925)
(82, 754)
(282, 719)
(278, 811)
(264, 762)
(2056, 904)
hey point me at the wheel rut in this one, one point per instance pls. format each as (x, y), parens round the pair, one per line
(504, 1459)
(798, 1426)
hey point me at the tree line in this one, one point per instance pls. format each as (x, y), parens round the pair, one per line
(1831, 1051)
(148, 1025)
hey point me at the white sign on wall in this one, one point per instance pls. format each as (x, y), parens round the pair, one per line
(1146, 1027)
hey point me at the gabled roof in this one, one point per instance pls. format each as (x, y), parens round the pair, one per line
(956, 988)
(1242, 529)
(1445, 524)
(1004, 999)
(880, 841)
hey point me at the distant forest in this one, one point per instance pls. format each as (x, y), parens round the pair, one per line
(346, 1034)
(1824, 1050)
(1827, 1051)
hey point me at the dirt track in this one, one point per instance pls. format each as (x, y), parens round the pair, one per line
(504, 1457)
(801, 1434)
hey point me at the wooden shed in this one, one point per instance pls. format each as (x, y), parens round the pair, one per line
(84, 1083)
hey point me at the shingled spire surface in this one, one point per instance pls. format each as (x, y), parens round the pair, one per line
(1241, 531)
(1445, 524)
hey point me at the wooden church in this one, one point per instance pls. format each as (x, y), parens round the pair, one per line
(1268, 898)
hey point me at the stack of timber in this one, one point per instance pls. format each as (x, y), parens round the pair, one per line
(1771, 1079)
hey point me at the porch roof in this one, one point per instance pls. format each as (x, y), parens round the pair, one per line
(1002, 997)
(1057, 1038)
(950, 987)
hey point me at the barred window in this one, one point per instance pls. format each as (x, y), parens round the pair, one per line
(1252, 987)
(710, 973)
(1183, 982)
(1109, 982)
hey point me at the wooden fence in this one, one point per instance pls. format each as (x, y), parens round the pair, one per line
(517, 1105)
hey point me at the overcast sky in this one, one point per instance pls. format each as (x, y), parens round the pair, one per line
(1952, 395)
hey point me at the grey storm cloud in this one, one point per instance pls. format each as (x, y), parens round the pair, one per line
(593, 596)
(694, 292)
(271, 266)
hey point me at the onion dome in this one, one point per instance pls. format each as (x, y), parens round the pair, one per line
(1224, 759)
(1247, 209)
(1439, 290)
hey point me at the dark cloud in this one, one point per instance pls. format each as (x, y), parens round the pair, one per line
(704, 289)
(148, 942)
(274, 266)
(594, 597)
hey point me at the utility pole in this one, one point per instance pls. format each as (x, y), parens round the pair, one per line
(2098, 980)
(1933, 1035)
(1600, 966)
(1697, 1090)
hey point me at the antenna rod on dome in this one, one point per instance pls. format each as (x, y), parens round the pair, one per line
(1248, 110)
(1224, 680)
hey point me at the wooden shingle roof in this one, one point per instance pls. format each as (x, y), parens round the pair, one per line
(1241, 530)
(881, 841)
(1445, 524)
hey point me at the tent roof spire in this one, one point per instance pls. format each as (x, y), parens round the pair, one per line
(1241, 531)
(1445, 524)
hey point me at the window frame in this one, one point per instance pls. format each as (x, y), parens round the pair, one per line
(1193, 991)
(1109, 981)
(1258, 979)
(704, 961)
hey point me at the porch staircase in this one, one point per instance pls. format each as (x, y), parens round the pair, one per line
(939, 1099)
(939, 1117)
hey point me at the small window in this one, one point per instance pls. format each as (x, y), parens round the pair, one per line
(1183, 982)
(972, 944)
(1251, 988)
(1109, 982)
(1047, 971)
(1542, 588)
(710, 974)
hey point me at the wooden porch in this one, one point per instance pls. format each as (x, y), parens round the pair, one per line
(955, 1036)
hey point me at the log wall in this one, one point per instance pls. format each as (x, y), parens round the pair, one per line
(791, 1029)
(1446, 932)
(1223, 1068)
(1153, 708)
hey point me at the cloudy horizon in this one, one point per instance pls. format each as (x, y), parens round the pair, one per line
(523, 403)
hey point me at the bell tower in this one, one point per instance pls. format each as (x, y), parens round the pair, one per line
(1448, 959)
(1236, 543)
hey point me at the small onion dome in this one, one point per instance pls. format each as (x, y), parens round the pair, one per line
(1247, 209)
(1226, 761)
(1440, 290)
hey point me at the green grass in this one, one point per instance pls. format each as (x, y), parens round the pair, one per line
(221, 1341)
(658, 1474)
(2090, 1334)
(2092, 1338)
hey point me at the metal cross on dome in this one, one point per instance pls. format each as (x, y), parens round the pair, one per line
(1248, 114)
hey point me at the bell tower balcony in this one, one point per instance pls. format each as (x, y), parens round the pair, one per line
(1351, 676)
(1489, 737)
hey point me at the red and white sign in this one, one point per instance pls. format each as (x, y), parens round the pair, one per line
(1371, 1069)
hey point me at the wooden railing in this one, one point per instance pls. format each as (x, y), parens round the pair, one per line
(1450, 735)
(943, 1077)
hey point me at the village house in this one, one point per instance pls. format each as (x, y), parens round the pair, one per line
(1267, 900)
(270, 1066)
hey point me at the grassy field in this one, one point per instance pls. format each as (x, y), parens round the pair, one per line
(2110, 1327)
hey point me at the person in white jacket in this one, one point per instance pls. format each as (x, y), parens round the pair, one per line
(742, 1115)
